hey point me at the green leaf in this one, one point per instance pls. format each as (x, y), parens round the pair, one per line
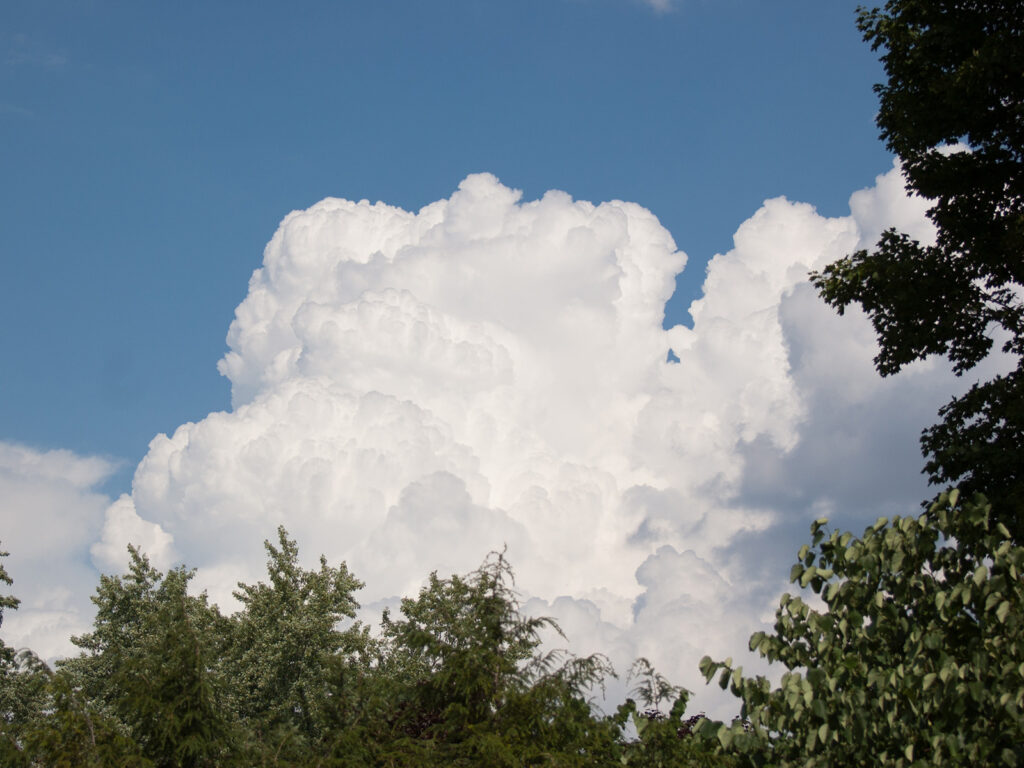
(725, 736)
(980, 574)
(832, 591)
(708, 668)
(819, 709)
(1003, 611)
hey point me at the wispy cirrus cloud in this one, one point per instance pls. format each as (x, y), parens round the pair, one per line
(22, 50)
(661, 6)
(13, 110)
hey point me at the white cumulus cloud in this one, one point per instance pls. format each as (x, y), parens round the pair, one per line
(413, 389)
(49, 512)
(123, 528)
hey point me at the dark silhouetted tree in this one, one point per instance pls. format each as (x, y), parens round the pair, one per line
(952, 109)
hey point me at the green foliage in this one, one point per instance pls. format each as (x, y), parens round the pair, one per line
(282, 637)
(10, 602)
(465, 643)
(954, 76)
(665, 740)
(45, 722)
(70, 733)
(458, 680)
(6, 601)
(129, 609)
(166, 692)
(23, 699)
(917, 658)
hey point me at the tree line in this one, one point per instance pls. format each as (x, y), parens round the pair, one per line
(907, 651)
(164, 679)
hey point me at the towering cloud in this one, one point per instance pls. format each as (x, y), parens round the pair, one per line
(412, 390)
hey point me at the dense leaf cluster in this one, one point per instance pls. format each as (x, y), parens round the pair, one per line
(915, 659)
(166, 681)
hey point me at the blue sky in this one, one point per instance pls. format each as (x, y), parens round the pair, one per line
(148, 151)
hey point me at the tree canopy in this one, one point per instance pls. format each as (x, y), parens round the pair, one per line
(284, 631)
(459, 678)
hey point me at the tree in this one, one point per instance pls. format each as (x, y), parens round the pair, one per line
(19, 693)
(128, 610)
(283, 635)
(917, 659)
(164, 681)
(151, 665)
(43, 721)
(166, 690)
(953, 111)
(67, 732)
(459, 680)
(122, 605)
(9, 602)
(664, 740)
